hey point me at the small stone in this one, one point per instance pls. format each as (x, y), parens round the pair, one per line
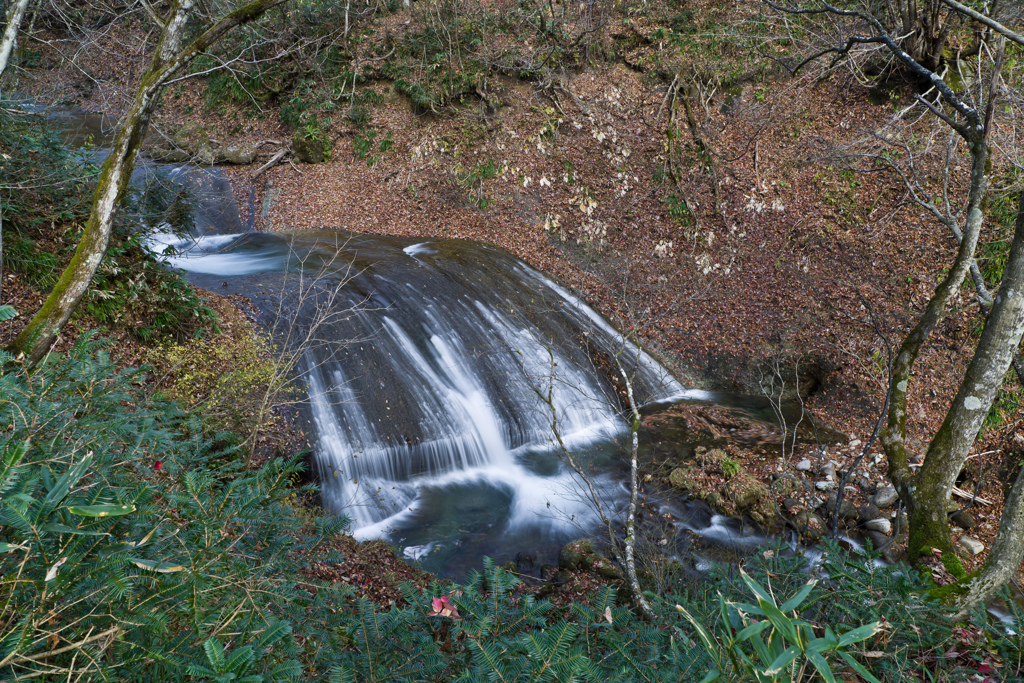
(864, 483)
(972, 545)
(885, 497)
(803, 466)
(790, 504)
(882, 526)
(962, 520)
(855, 443)
(878, 458)
(825, 485)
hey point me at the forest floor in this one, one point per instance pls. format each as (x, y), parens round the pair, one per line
(768, 267)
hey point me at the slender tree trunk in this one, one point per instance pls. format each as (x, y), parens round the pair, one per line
(634, 485)
(927, 506)
(40, 333)
(14, 17)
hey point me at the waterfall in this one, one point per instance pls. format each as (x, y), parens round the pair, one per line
(441, 377)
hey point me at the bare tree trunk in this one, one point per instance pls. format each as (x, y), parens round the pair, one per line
(634, 484)
(14, 17)
(40, 333)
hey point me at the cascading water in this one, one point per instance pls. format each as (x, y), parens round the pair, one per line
(442, 375)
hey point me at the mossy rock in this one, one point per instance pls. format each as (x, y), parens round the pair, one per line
(809, 525)
(607, 569)
(681, 478)
(310, 149)
(579, 554)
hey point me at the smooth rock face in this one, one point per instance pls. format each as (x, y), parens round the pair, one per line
(825, 485)
(803, 466)
(972, 545)
(882, 526)
(885, 497)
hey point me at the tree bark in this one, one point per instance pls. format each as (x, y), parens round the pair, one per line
(14, 17)
(634, 485)
(1003, 331)
(40, 333)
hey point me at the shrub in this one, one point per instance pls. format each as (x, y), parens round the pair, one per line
(130, 547)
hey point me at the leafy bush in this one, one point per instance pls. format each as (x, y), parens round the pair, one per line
(853, 590)
(741, 647)
(231, 381)
(130, 547)
(497, 633)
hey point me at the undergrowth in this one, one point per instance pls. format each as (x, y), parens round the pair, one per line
(45, 193)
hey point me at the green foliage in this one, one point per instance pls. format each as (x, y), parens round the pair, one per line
(1007, 403)
(363, 145)
(777, 647)
(853, 590)
(42, 183)
(678, 209)
(730, 468)
(228, 380)
(131, 289)
(504, 635)
(131, 546)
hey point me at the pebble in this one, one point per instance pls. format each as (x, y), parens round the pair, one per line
(882, 526)
(855, 443)
(825, 485)
(972, 545)
(885, 497)
(803, 466)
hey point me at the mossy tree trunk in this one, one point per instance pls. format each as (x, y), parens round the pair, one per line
(40, 333)
(1000, 339)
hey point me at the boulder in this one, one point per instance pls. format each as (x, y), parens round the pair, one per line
(877, 539)
(235, 155)
(579, 554)
(809, 525)
(882, 526)
(607, 569)
(962, 520)
(868, 511)
(310, 149)
(885, 497)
